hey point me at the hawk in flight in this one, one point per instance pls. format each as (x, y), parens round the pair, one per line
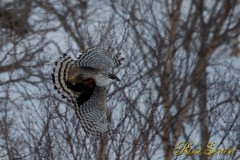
(83, 83)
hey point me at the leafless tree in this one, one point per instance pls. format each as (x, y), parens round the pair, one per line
(179, 80)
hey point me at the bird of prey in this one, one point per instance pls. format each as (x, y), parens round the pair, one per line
(83, 82)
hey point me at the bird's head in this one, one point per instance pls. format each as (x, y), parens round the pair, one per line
(103, 79)
(87, 75)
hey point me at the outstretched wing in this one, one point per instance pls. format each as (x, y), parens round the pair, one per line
(94, 115)
(99, 58)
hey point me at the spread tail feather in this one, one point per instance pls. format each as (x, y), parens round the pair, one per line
(60, 75)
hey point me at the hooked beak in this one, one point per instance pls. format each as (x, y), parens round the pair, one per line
(112, 76)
